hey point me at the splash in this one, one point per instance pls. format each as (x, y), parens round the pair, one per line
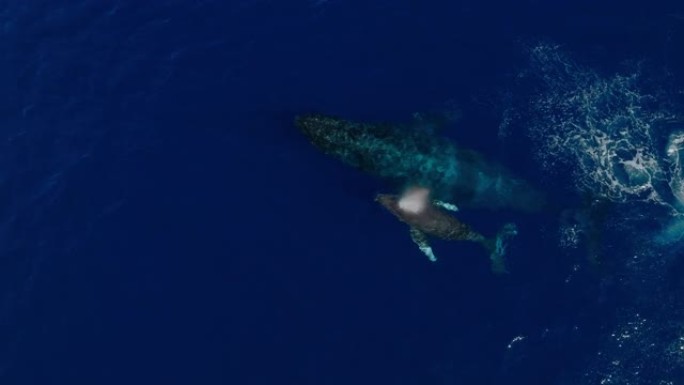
(601, 128)
(675, 156)
(606, 130)
(614, 135)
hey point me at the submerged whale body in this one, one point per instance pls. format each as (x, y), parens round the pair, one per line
(409, 156)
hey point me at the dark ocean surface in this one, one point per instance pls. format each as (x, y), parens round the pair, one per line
(162, 220)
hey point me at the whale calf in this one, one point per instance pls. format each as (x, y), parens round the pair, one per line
(427, 218)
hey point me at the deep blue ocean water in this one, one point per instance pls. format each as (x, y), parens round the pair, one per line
(162, 221)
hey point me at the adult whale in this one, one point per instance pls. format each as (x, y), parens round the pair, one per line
(415, 156)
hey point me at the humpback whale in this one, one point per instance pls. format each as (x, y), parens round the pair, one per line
(410, 156)
(427, 217)
(414, 156)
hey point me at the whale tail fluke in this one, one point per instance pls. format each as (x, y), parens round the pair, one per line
(497, 247)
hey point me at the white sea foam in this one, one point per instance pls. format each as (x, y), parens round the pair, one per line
(609, 131)
(600, 127)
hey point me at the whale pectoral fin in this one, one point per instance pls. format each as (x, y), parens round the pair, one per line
(420, 239)
(445, 205)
